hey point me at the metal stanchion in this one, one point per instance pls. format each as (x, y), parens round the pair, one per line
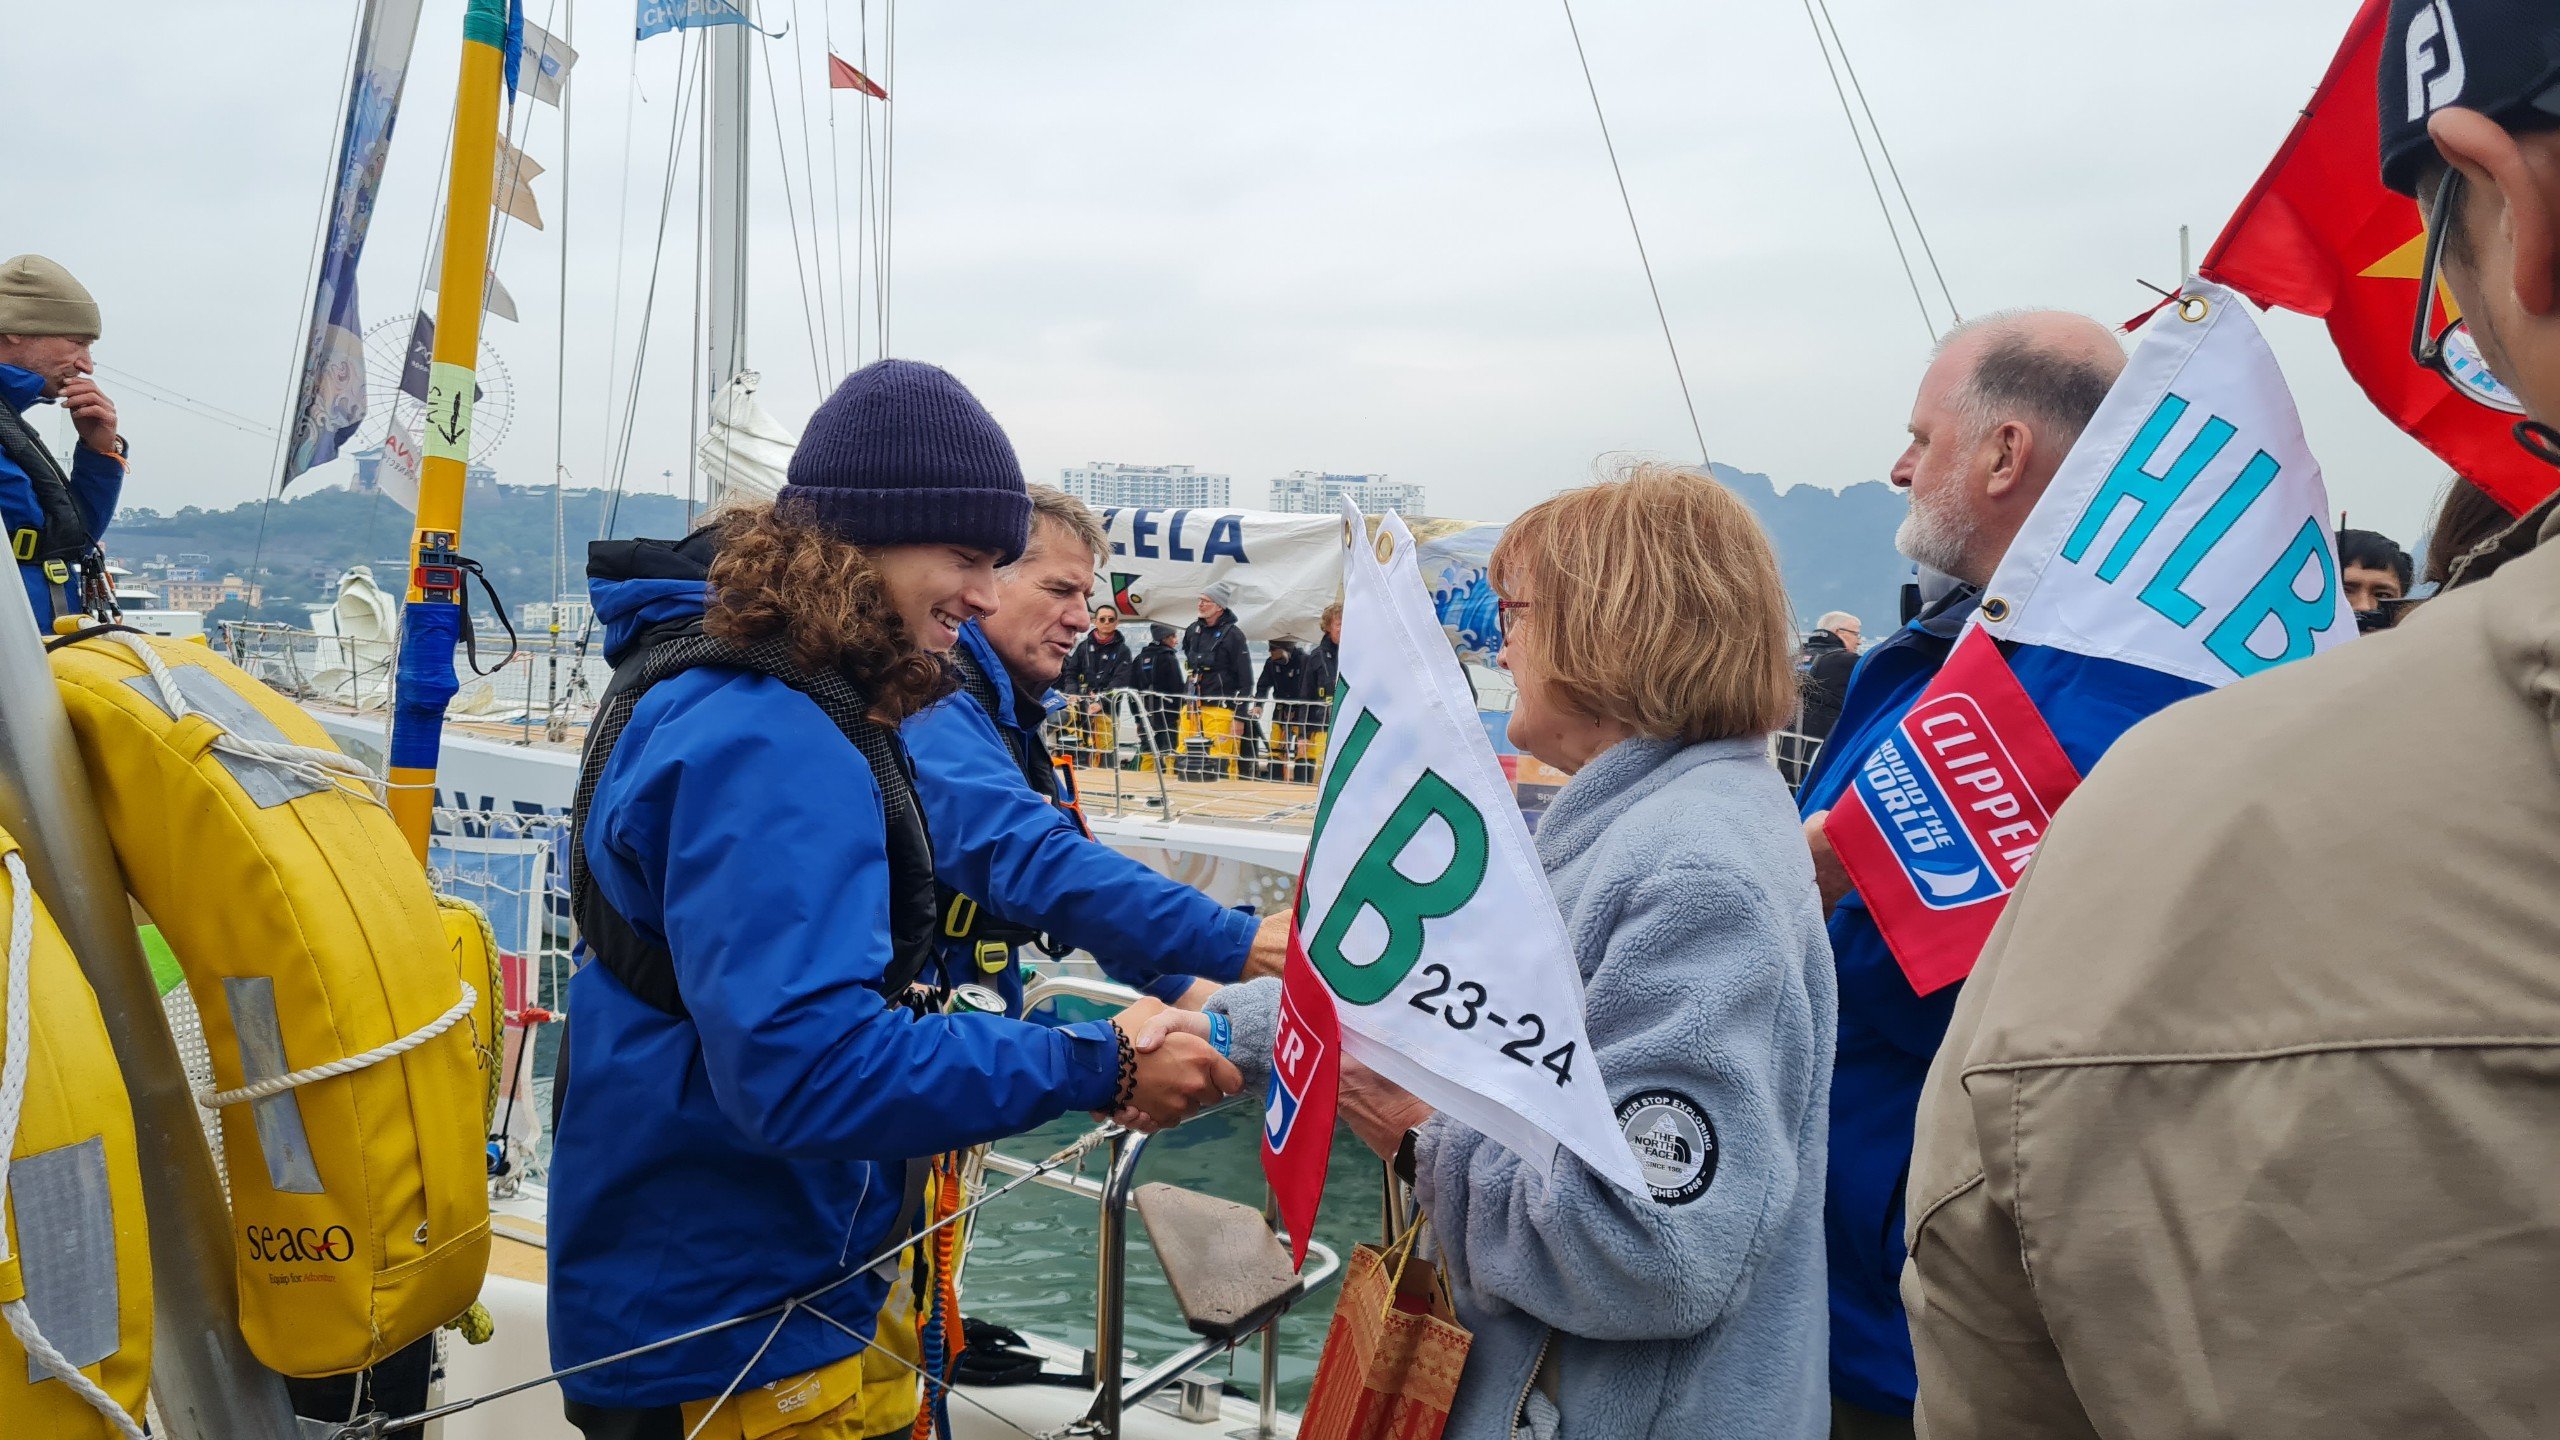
(206, 1383)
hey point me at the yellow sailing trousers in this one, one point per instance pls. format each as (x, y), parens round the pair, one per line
(864, 1394)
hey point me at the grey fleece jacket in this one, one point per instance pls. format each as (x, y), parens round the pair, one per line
(1685, 886)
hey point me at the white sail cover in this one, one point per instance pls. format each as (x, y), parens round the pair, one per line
(746, 452)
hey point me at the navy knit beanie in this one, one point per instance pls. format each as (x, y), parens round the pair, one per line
(902, 454)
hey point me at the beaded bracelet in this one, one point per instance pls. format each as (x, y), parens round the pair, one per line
(1127, 1090)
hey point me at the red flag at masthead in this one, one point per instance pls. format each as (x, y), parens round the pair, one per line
(841, 76)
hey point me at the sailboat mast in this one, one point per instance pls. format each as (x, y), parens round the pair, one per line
(431, 624)
(724, 160)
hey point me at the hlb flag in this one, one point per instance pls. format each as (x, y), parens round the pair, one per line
(1424, 943)
(2183, 544)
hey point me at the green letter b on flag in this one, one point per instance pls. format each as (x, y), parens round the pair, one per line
(1402, 902)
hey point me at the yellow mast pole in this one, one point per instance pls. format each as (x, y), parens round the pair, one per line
(432, 622)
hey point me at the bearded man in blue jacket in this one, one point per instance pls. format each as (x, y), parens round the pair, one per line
(1014, 858)
(48, 321)
(2000, 405)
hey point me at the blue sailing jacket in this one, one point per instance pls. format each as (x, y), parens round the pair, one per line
(1888, 1034)
(713, 1165)
(96, 481)
(1016, 853)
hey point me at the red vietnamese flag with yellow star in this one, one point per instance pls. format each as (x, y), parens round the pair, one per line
(2320, 235)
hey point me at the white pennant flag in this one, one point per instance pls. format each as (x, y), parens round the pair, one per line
(545, 64)
(1424, 909)
(2188, 529)
(398, 475)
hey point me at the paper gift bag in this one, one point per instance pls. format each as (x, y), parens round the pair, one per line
(1393, 1354)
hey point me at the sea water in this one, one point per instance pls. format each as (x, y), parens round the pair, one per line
(1032, 1257)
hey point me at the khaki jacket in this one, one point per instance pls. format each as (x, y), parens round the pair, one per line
(2248, 1123)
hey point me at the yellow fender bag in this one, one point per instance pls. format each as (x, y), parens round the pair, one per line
(349, 1058)
(75, 1286)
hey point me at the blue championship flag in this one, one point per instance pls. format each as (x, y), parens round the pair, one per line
(657, 17)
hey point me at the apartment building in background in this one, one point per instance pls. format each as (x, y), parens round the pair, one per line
(1316, 492)
(1102, 483)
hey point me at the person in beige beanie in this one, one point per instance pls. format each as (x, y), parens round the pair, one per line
(48, 321)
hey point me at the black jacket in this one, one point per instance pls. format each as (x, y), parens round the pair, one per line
(1217, 659)
(1823, 670)
(1284, 674)
(1158, 671)
(1324, 671)
(1096, 667)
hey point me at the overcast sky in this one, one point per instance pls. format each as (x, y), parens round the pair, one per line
(1245, 235)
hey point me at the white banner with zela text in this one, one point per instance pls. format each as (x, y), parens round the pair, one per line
(1424, 908)
(2188, 530)
(1281, 570)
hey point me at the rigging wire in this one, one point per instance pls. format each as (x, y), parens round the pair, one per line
(1890, 168)
(560, 367)
(621, 251)
(698, 368)
(621, 462)
(835, 170)
(809, 181)
(865, 256)
(1927, 322)
(277, 456)
(888, 161)
(810, 318)
(1074, 1153)
(1636, 231)
(204, 409)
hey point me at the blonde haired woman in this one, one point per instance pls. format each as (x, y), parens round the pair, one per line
(1648, 632)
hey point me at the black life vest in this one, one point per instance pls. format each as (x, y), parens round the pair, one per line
(643, 966)
(60, 542)
(963, 919)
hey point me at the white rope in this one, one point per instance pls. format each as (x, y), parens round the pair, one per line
(13, 1096)
(13, 1065)
(213, 1099)
(318, 764)
(22, 1323)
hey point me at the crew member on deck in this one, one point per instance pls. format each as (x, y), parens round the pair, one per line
(1013, 857)
(47, 324)
(752, 1078)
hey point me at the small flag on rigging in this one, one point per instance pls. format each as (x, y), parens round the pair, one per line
(546, 64)
(841, 76)
(512, 190)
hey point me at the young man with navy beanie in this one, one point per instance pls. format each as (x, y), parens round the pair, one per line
(751, 1077)
(903, 454)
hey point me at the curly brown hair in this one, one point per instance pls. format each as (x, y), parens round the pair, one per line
(775, 575)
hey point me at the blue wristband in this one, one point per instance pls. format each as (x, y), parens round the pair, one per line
(1222, 1033)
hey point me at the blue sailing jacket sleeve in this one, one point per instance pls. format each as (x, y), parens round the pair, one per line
(739, 826)
(1025, 860)
(96, 482)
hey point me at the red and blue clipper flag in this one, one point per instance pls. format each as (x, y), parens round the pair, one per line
(1938, 824)
(2182, 544)
(1306, 1074)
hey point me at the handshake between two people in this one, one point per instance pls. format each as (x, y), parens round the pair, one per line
(1377, 1109)
(1181, 1074)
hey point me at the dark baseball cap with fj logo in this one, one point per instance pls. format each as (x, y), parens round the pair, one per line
(2499, 57)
